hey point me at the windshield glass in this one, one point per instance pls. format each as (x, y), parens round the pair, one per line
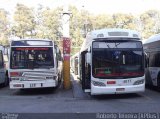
(115, 61)
(31, 57)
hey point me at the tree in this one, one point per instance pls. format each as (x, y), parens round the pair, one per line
(24, 25)
(103, 21)
(51, 24)
(40, 32)
(4, 27)
(150, 23)
(80, 24)
(126, 21)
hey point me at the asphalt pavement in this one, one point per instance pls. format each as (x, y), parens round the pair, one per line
(75, 101)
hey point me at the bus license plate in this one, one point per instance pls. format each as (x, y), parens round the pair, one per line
(32, 85)
(120, 89)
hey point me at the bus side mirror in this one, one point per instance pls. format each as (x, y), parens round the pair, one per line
(88, 58)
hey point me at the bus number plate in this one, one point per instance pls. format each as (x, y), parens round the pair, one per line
(127, 81)
(120, 89)
(32, 85)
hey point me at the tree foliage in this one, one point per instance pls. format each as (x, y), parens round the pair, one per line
(43, 22)
(103, 21)
(150, 23)
(4, 27)
(24, 25)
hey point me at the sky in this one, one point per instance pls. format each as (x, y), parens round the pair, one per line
(93, 6)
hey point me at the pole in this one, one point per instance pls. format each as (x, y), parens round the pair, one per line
(66, 49)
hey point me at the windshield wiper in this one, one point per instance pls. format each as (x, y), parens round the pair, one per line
(116, 44)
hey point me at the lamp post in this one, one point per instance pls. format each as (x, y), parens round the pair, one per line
(66, 48)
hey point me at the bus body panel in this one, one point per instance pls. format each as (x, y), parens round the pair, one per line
(3, 68)
(152, 48)
(2, 75)
(153, 73)
(33, 78)
(33, 84)
(113, 90)
(118, 87)
(75, 64)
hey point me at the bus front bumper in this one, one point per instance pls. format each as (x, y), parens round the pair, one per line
(96, 90)
(32, 84)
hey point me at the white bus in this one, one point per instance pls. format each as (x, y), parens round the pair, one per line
(152, 48)
(3, 69)
(34, 63)
(112, 62)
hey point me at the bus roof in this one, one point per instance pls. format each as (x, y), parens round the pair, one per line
(109, 33)
(113, 32)
(153, 38)
(30, 39)
(31, 42)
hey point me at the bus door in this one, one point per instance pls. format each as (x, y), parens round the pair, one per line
(2, 69)
(86, 73)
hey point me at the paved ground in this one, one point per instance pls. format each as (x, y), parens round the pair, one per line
(76, 101)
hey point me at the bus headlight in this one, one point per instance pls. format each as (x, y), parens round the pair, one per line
(96, 83)
(139, 82)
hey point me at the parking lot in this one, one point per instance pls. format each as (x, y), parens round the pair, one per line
(76, 101)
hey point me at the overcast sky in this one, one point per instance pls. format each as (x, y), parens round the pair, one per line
(94, 6)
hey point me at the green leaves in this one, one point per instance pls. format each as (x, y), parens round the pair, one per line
(24, 21)
(150, 23)
(42, 22)
(4, 27)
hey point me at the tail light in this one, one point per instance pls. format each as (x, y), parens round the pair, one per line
(13, 74)
(111, 82)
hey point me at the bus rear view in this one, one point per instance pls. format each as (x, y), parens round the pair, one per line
(32, 64)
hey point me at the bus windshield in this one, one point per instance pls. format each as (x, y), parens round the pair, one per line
(31, 57)
(117, 59)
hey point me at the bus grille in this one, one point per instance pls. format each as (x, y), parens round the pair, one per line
(37, 75)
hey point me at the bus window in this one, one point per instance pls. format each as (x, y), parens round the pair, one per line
(32, 58)
(117, 63)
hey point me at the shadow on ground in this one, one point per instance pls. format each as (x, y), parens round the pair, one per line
(37, 91)
(153, 88)
(116, 96)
